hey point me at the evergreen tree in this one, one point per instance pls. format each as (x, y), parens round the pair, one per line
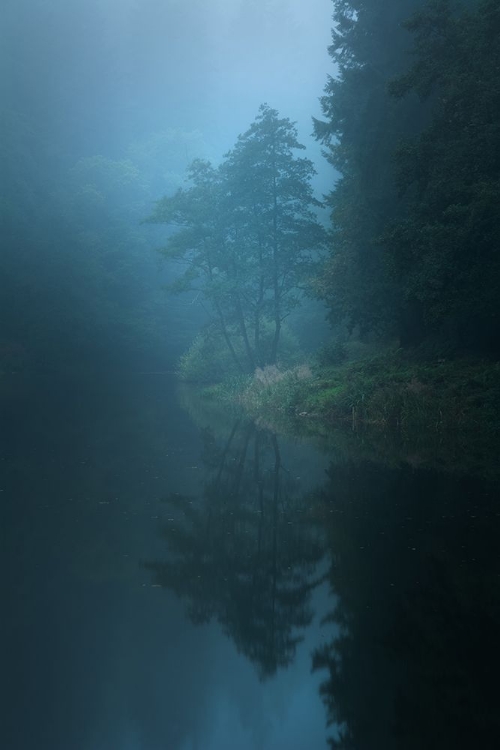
(416, 141)
(361, 129)
(445, 250)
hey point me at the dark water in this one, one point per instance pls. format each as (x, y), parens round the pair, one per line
(181, 581)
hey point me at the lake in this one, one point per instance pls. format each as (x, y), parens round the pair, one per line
(178, 578)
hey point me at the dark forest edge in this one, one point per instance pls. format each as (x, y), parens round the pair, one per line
(412, 130)
(411, 256)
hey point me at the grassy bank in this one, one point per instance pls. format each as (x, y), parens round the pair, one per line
(442, 413)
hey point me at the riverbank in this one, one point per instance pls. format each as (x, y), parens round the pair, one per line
(439, 413)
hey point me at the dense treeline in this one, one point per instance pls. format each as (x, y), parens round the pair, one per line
(412, 130)
(412, 127)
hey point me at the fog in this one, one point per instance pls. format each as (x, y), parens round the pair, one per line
(148, 86)
(249, 377)
(93, 76)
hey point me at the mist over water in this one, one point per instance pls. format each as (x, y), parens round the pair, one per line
(104, 105)
(176, 575)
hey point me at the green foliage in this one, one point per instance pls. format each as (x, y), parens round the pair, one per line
(208, 359)
(246, 236)
(445, 251)
(424, 402)
(416, 228)
(332, 354)
(273, 396)
(362, 127)
(388, 408)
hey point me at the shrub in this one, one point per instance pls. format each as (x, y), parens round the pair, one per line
(272, 390)
(332, 354)
(208, 359)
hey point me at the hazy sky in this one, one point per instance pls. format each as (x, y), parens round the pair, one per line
(211, 64)
(95, 75)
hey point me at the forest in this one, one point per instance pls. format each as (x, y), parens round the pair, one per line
(402, 252)
(400, 255)
(411, 130)
(249, 374)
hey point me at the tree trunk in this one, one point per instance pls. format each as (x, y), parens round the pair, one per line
(228, 341)
(276, 290)
(244, 333)
(222, 322)
(260, 302)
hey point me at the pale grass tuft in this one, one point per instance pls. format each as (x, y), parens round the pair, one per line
(268, 375)
(416, 386)
(302, 372)
(271, 374)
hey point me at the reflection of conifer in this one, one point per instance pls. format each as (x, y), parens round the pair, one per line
(416, 578)
(242, 553)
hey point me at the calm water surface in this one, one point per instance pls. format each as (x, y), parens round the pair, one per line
(178, 580)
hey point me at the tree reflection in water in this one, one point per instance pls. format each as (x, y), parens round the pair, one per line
(414, 578)
(244, 553)
(416, 571)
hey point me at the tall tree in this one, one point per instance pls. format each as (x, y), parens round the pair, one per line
(417, 145)
(200, 228)
(247, 235)
(445, 250)
(361, 129)
(271, 191)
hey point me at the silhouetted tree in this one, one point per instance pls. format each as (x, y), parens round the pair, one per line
(361, 130)
(416, 142)
(444, 252)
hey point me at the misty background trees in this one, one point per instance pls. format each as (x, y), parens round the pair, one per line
(110, 107)
(105, 106)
